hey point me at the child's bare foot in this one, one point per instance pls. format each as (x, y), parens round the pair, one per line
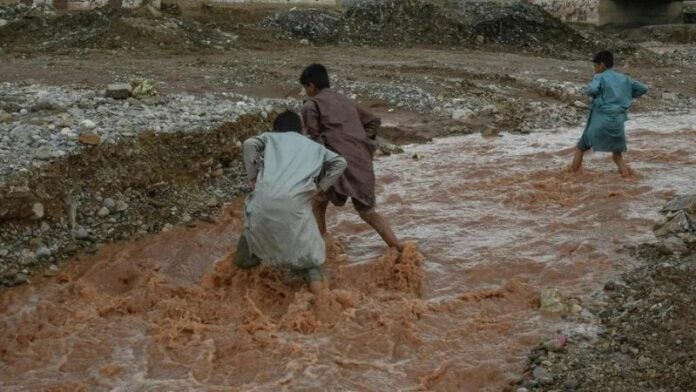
(627, 172)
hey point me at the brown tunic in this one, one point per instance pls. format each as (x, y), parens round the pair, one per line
(345, 128)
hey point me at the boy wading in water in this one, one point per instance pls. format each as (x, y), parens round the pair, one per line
(286, 170)
(336, 122)
(612, 94)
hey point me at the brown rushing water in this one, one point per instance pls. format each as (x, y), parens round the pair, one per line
(495, 219)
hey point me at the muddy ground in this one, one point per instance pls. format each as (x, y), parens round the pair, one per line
(428, 88)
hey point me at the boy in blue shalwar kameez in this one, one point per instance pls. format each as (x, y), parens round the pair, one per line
(612, 94)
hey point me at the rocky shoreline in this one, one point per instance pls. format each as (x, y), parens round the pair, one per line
(641, 333)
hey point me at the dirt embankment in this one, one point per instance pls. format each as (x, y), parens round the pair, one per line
(113, 192)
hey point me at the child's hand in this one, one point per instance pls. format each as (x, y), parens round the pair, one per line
(319, 196)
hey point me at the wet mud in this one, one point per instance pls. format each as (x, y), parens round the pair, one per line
(490, 222)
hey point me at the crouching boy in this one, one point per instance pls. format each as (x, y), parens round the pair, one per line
(286, 170)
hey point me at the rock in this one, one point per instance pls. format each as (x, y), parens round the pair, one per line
(154, 11)
(580, 104)
(675, 245)
(103, 212)
(217, 172)
(489, 132)
(118, 91)
(385, 147)
(571, 384)
(680, 222)
(186, 218)
(43, 153)
(531, 384)
(644, 361)
(43, 252)
(45, 227)
(576, 309)
(121, 206)
(679, 203)
(212, 201)
(462, 114)
(24, 133)
(87, 125)
(167, 227)
(552, 301)
(144, 88)
(3, 22)
(109, 203)
(82, 234)
(38, 210)
(90, 139)
(542, 375)
(669, 96)
(4, 252)
(5, 117)
(21, 278)
(480, 39)
(304, 41)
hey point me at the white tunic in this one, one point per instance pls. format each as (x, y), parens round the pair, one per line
(279, 225)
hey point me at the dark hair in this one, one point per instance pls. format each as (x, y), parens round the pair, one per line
(287, 121)
(317, 75)
(604, 57)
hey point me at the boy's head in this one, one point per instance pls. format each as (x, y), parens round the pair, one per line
(603, 61)
(315, 78)
(287, 121)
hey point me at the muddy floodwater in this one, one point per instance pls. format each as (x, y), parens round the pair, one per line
(494, 221)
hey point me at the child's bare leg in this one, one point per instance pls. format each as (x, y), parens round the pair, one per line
(317, 288)
(317, 284)
(319, 207)
(372, 218)
(621, 164)
(577, 161)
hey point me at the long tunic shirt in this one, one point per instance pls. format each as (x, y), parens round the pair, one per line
(345, 128)
(279, 224)
(612, 95)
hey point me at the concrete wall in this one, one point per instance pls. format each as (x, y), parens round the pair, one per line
(640, 13)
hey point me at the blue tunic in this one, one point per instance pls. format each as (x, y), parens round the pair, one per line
(612, 94)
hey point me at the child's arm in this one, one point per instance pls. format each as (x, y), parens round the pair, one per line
(638, 88)
(595, 87)
(310, 119)
(253, 156)
(370, 122)
(334, 166)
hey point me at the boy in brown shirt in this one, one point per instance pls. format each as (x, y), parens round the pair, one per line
(346, 129)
